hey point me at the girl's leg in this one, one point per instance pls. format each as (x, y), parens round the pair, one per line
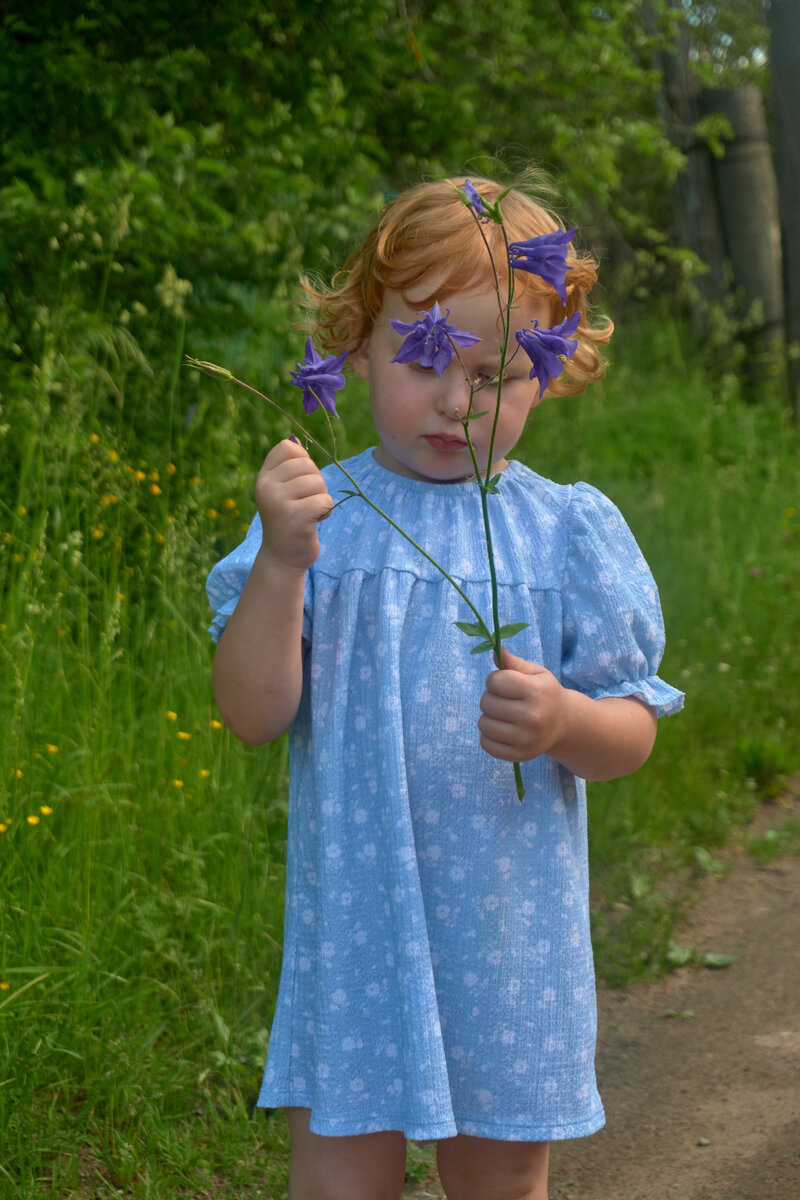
(473, 1168)
(369, 1166)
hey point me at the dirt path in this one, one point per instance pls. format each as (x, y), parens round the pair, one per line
(707, 1106)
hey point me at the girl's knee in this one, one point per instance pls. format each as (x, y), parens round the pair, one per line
(370, 1166)
(484, 1169)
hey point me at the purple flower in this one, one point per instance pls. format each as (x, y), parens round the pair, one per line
(430, 342)
(545, 347)
(474, 199)
(319, 378)
(545, 256)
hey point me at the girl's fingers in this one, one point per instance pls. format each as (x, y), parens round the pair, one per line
(500, 750)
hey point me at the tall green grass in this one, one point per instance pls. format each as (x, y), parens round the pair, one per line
(142, 848)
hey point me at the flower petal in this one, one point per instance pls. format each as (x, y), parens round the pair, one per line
(319, 378)
(547, 348)
(545, 256)
(431, 341)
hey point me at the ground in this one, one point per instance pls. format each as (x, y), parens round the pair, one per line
(700, 1071)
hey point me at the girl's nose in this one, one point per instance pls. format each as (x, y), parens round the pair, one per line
(453, 395)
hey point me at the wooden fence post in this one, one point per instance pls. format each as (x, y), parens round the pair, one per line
(748, 203)
(784, 21)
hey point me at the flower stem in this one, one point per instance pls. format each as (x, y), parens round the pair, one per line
(487, 530)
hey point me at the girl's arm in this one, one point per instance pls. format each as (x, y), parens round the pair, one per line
(258, 666)
(527, 712)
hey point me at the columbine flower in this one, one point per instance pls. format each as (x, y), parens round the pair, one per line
(475, 199)
(545, 256)
(545, 347)
(319, 378)
(431, 342)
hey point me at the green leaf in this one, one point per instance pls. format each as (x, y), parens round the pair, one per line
(473, 628)
(482, 647)
(509, 631)
(493, 486)
(474, 416)
(718, 961)
(679, 956)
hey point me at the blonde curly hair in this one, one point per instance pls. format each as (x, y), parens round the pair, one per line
(428, 234)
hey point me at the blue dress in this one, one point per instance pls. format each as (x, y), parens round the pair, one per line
(437, 966)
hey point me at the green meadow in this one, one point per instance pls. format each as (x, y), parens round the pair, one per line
(142, 848)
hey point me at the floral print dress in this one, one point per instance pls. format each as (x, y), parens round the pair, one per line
(437, 967)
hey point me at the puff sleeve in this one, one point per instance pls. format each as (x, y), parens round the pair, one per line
(227, 578)
(613, 631)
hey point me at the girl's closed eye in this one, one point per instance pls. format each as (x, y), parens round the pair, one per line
(490, 379)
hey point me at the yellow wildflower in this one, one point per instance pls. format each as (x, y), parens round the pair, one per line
(155, 489)
(97, 532)
(51, 749)
(4, 985)
(16, 773)
(212, 512)
(139, 476)
(94, 438)
(170, 715)
(3, 827)
(204, 773)
(22, 510)
(32, 819)
(184, 736)
(194, 480)
(45, 810)
(215, 724)
(178, 783)
(160, 539)
(171, 468)
(229, 503)
(112, 454)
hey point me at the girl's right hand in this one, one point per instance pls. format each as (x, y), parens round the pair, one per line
(291, 498)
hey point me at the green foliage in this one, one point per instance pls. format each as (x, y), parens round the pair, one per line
(164, 179)
(165, 175)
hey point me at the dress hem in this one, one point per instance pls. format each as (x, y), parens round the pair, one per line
(435, 1131)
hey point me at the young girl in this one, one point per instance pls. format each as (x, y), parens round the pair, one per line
(437, 977)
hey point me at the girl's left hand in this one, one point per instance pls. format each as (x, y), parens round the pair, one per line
(524, 713)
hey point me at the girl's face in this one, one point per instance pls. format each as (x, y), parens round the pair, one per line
(414, 409)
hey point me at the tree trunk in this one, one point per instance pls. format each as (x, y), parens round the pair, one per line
(748, 201)
(784, 22)
(697, 219)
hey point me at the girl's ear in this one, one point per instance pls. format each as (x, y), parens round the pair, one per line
(359, 360)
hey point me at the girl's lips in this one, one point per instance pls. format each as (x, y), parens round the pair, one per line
(439, 441)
